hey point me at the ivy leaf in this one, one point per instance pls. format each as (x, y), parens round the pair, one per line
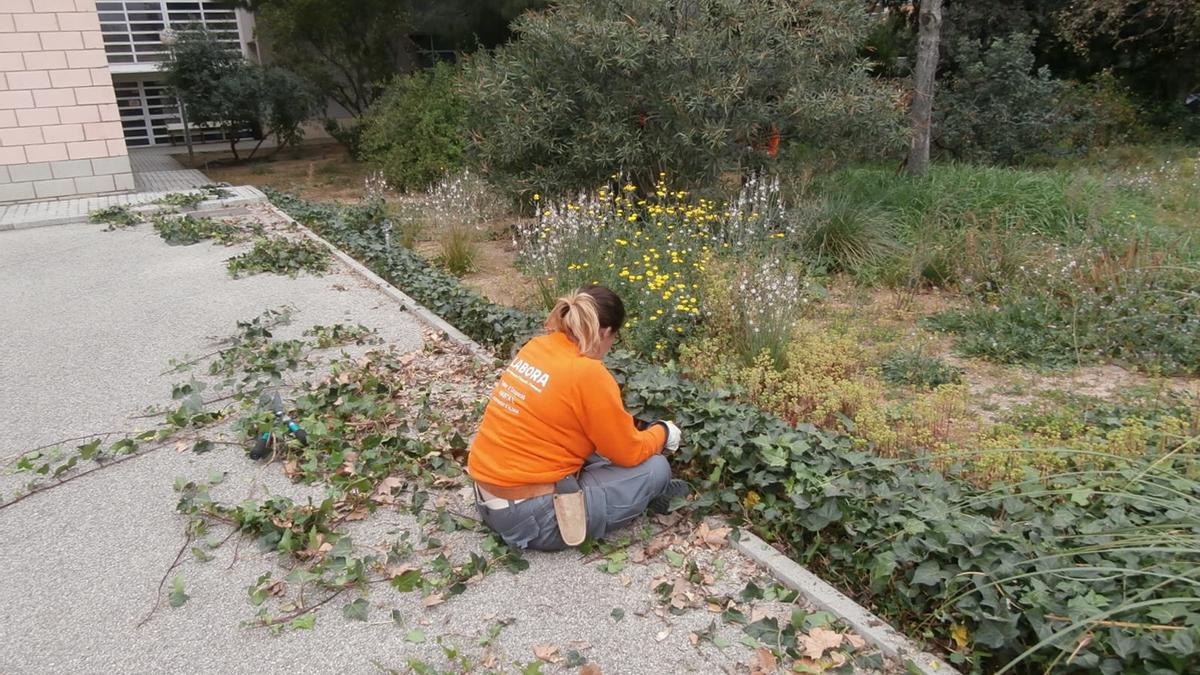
(928, 573)
(617, 614)
(407, 581)
(201, 554)
(765, 630)
(415, 635)
(177, 596)
(305, 622)
(357, 610)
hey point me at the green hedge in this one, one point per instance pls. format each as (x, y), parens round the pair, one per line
(986, 573)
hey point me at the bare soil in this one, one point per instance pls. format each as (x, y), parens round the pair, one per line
(495, 276)
(319, 171)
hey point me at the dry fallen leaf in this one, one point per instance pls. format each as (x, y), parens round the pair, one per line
(383, 491)
(763, 662)
(657, 544)
(590, 669)
(637, 554)
(433, 600)
(807, 665)
(662, 634)
(717, 538)
(547, 653)
(712, 538)
(394, 571)
(819, 640)
(855, 641)
(291, 468)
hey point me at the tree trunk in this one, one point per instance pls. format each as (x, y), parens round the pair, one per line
(924, 79)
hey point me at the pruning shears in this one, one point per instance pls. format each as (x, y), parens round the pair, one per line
(281, 420)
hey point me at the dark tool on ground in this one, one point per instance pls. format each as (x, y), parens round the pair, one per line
(282, 421)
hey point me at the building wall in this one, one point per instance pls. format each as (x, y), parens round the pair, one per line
(60, 131)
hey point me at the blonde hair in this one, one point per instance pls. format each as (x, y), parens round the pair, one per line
(575, 314)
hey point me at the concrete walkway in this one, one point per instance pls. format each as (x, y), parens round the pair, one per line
(91, 319)
(155, 171)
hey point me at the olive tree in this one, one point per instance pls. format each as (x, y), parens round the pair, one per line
(694, 88)
(221, 89)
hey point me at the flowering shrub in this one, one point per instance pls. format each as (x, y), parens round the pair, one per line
(651, 251)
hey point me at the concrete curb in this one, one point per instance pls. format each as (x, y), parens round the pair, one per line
(427, 317)
(789, 572)
(875, 630)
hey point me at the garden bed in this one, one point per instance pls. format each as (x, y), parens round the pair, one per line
(1049, 568)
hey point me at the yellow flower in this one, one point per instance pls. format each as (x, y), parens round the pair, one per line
(537, 197)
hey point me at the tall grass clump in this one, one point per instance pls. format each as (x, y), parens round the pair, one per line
(959, 196)
(456, 209)
(846, 236)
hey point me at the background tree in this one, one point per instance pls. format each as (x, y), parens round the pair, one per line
(222, 90)
(693, 88)
(414, 133)
(924, 81)
(1153, 44)
(349, 49)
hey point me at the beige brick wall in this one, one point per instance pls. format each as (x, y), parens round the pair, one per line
(60, 131)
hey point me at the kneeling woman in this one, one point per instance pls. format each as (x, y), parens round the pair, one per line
(557, 456)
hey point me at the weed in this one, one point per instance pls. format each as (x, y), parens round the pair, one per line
(1073, 309)
(915, 367)
(280, 255)
(115, 216)
(186, 200)
(187, 229)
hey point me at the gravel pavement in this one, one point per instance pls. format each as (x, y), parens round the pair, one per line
(88, 321)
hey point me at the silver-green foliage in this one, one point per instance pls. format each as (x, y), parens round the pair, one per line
(999, 107)
(690, 88)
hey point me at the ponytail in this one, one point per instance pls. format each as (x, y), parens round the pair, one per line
(583, 313)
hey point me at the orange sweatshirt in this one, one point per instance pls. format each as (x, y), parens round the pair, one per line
(551, 409)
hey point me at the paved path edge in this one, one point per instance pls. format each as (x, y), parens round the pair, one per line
(427, 317)
(874, 629)
(140, 202)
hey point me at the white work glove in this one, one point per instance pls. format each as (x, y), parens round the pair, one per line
(674, 435)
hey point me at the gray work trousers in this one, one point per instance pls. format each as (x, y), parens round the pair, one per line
(614, 495)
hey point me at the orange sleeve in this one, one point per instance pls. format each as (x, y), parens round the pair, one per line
(607, 424)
